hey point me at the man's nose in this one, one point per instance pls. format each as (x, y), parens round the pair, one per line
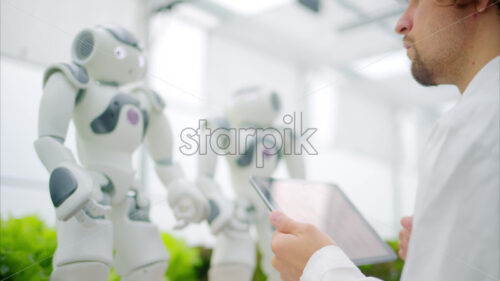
(404, 24)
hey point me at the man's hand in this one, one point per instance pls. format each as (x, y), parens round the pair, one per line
(293, 244)
(404, 236)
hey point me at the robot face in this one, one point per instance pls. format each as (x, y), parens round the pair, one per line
(109, 55)
(255, 107)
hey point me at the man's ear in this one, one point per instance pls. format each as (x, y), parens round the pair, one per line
(481, 5)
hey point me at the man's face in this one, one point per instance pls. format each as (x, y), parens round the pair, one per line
(434, 36)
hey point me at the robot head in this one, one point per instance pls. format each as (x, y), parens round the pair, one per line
(255, 107)
(110, 54)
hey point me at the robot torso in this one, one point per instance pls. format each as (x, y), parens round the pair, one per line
(110, 125)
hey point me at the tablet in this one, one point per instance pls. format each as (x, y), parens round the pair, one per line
(329, 209)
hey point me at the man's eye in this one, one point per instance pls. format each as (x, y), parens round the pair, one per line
(120, 52)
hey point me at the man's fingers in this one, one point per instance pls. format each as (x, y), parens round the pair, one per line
(402, 245)
(407, 222)
(288, 277)
(276, 264)
(402, 254)
(286, 270)
(284, 224)
(404, 236)
(280, 243)
(279, 265)
(404, 241)
(404, 233)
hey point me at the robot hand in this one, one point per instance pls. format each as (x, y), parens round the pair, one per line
(187, 202)
(224, 217)
(222, 210)
(71, 189)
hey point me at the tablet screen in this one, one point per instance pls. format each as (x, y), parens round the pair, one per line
(328, 208)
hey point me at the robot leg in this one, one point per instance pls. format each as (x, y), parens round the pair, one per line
(265, 234)
(82, 271)
(233, 257)
(152, 272)
(84, 252)
(234, 254)
(140, 252)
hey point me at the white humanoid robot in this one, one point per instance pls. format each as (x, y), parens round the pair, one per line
(100, 205)
(251, 111)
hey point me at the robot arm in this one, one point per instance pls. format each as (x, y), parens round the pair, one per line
(221, 207)
(70, 185)
(186, 201)
(56, 111)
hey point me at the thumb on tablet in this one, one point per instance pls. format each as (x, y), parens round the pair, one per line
(282, 223)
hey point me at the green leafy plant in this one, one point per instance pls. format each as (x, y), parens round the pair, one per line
(390, 271)
(259, 274)
(26, 249)
(184, 261)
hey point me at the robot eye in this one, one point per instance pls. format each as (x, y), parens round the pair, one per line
(120, 52)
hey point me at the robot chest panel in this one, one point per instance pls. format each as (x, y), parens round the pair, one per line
(110, 117)
(259, 154)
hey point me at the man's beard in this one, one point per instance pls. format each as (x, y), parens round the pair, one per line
(420, 72)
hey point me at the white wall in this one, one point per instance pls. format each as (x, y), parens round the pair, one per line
(23, 178)
(232, 66)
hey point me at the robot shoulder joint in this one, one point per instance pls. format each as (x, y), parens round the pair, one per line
(156, 101)
(76, 74)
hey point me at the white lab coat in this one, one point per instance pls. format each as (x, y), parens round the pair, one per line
(455, 232)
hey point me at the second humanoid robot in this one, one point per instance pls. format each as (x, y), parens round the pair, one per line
(250, 112)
